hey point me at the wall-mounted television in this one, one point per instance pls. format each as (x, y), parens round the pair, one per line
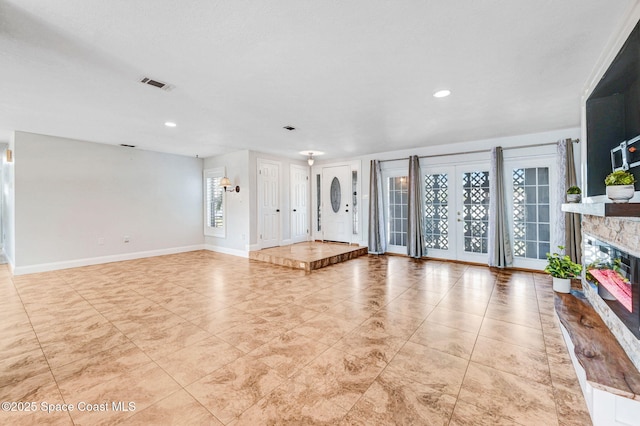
(613, 118)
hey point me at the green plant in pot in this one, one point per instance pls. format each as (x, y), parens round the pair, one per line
(620, 187)
(573, 194)
(562, 269)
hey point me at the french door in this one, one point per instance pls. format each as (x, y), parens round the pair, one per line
(456, 211)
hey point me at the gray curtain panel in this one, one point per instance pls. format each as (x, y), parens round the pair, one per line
(568, 228)
(500, 254)
(415, 240)
(377, 232)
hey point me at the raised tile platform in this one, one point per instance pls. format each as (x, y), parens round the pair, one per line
(309, 255)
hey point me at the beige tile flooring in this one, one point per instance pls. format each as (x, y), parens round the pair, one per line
(206, 338)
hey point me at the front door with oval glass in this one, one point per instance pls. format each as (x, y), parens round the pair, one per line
(336, 204)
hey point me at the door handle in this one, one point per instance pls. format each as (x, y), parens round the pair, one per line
(277, 210)
(347, 210)
(294, 210)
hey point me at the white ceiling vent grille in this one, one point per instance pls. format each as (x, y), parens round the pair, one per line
(156, 83)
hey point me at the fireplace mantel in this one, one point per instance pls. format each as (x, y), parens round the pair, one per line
(630, 210)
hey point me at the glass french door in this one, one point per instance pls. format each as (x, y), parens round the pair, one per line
(456, 212)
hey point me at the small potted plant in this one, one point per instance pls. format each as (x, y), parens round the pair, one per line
(562, 269)
(620, 186)
(573, 194)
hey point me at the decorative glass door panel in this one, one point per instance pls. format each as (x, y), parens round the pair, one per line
(475, 211)
(436, 211)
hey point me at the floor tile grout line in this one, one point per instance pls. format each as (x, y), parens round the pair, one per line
(466, 371)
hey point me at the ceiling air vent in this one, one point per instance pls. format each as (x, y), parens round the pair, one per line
(156, 83)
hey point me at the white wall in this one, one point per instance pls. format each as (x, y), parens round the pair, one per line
(238, 205)
(70, 194)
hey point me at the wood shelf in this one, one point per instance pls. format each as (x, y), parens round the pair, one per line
(606, 364)
(604, 209)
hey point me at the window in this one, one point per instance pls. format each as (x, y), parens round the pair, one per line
(531, 229)
(214, 206)
(397, 207)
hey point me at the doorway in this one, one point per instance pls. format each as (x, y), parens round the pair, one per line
(269, 203)
(299, 184)
(456, 212)
(336, 201)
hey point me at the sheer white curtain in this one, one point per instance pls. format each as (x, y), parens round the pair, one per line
(415, 239)
(500, 254)
(377, 232)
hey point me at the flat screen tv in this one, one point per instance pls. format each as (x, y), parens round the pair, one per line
(613, 117)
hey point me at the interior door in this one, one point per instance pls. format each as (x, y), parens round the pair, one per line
(299, 183)
(336, 190)
(269, 203)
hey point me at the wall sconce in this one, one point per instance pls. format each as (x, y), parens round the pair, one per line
(224, 182)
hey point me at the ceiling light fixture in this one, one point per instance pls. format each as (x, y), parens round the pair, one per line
(442, 93)
(170, 124)
(310, 154)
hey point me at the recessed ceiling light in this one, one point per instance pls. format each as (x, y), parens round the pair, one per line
(442, 93)
(170, 124)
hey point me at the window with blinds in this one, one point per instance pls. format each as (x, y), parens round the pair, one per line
(214, 214)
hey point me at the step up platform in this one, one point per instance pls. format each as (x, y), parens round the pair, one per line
(309, 255)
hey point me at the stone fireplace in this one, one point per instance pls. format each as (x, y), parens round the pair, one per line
(605, 240)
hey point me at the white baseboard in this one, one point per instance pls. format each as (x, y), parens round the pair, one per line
(45, 267)
(224, 250)
(286, 242)
(252, 247)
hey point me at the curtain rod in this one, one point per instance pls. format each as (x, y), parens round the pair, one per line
(482, 150)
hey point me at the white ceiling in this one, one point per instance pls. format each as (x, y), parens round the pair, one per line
(354, 77)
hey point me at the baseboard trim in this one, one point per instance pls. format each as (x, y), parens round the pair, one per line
(55, 266)
(224, 250)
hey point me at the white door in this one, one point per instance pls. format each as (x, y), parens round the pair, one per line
(268, 203)
(299, 182)
(336, 200)
(456, 212)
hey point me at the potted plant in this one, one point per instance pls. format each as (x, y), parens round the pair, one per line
(562, 269)
(573, 194)
(620, 186)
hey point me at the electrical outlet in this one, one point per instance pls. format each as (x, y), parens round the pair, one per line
(100, 241)
(125, 239)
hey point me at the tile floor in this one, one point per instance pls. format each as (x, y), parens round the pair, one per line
(206, 338)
